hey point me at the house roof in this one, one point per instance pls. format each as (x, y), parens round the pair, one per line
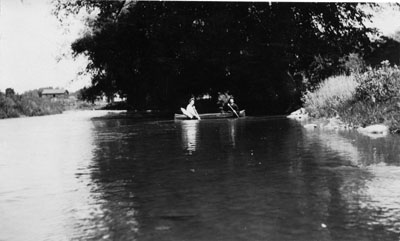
(53, 91)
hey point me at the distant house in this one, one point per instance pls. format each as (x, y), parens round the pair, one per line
(55, 93)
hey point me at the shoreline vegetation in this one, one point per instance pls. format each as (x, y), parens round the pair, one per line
(366, 100)
(27, 104)
(30, 103)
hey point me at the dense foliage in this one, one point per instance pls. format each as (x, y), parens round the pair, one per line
(27, 104)
(160, 53)
(330, 95)
(372, 97)
(379, 85)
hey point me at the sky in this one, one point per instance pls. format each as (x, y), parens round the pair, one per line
(32, 44)
(387, 20)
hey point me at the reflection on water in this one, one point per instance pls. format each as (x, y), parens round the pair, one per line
(45, 187)
(384, 198)
(377, 191)
(232, 131)
(189, 135)
(69, 177)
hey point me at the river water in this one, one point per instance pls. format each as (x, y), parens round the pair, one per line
(85, 176)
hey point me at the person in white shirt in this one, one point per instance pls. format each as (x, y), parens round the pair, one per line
(191, 111)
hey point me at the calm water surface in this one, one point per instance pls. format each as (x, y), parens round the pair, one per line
(72, 177)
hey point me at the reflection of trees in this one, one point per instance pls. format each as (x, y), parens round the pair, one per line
(351, 204)
(382, 150)
(135, 170)
(143, 178)
(115, 215)
(250, 178)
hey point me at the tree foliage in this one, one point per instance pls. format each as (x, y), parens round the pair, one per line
(379, 84)
(385, 48)
(27, 104)
(158, 53)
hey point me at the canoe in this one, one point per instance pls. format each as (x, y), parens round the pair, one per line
(210, 116)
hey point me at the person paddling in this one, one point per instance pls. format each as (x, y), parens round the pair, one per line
(233, 107)
(190, 110)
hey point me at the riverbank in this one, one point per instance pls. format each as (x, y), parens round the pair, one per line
(28, 104)
(336, 124)
(31, 103)
(368, 101)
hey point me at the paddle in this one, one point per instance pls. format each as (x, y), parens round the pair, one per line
(197, 114)
(234, 111)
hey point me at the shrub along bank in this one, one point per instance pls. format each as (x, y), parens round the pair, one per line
(27, 104)
(371, 97)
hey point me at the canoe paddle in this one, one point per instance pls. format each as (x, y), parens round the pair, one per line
(233, 110)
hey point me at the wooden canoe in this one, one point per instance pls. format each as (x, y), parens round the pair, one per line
(210, 116)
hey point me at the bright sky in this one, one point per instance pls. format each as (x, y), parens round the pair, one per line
(31, 41)
(387, 20)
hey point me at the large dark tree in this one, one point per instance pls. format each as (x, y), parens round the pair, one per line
(157, 53)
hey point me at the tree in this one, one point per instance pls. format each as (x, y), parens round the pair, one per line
(386, 48)
(157, 53)
(10, 92)
(89, 94)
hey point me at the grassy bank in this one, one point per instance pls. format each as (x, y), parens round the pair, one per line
(28, 104)
(372, 97)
